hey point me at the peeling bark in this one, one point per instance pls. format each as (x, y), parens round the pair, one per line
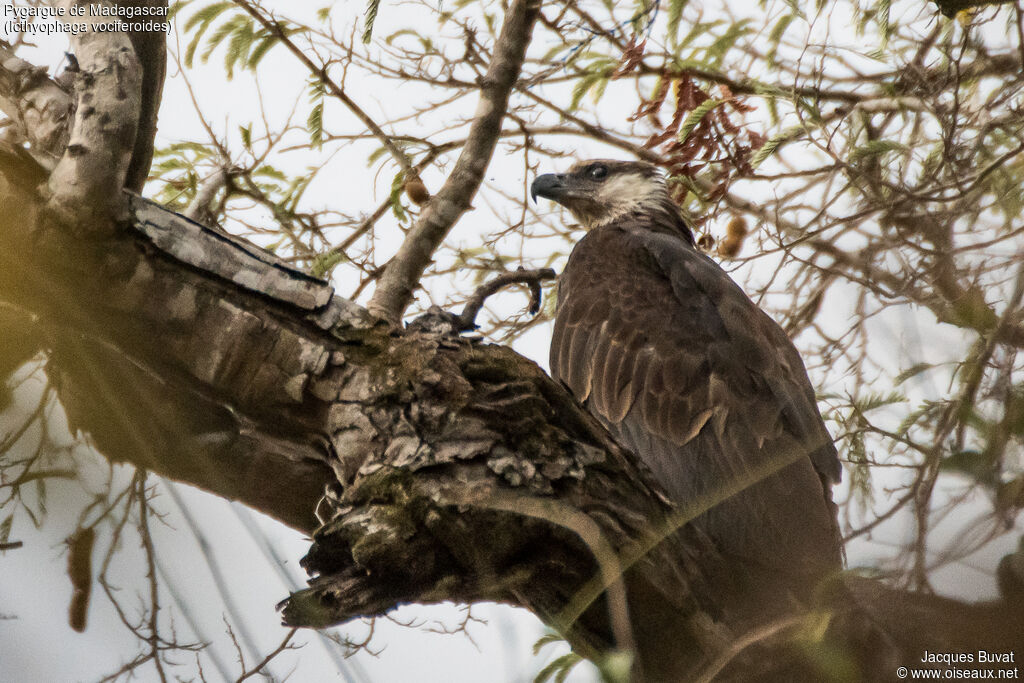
(37, 107)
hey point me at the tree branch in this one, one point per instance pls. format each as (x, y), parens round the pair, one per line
(151, 52)
(395, 289)
(37, 106)
(467, 319)
(85, 186)
(275, 28)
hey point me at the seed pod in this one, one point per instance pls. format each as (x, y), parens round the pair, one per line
(416, 190)
(80, 572)
(735, 233)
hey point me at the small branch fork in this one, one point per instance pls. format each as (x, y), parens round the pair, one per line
(466, 321)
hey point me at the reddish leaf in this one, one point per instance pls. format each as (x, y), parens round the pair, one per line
(650, 108)
(723, 119)
(631, 57)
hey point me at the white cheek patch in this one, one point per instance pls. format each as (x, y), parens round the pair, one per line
(622, 193)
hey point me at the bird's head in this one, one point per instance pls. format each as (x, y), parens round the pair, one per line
(600, 191)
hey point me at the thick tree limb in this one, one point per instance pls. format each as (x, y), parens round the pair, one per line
(40, 108)
(36, 106)
(394, 291)
(151, 52)
(85, 186)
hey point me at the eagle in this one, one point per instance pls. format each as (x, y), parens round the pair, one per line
(658, 342)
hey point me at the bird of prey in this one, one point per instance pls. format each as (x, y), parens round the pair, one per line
(667, 351)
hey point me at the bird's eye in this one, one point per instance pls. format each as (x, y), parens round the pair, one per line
(597, 171)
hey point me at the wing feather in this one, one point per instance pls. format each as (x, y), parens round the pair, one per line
(685, 370)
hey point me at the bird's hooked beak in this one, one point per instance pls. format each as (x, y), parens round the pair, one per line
(550, 185)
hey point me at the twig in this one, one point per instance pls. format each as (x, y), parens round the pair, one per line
(336, 90)
(266, 660)
(467, 319)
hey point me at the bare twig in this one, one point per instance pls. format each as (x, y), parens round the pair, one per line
(335, 89)
(266, 660)
(467, 319)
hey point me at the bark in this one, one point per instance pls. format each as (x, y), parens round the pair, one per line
(37, 107)
(85, 186)
(151, 52)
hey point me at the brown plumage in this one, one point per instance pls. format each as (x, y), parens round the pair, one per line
(683, 368)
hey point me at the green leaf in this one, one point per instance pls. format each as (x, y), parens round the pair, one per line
(769, 147)
(391, 38)
(262, 47)
(775, 36)
(238, 48)
(207, 14)
(675, 16)
(873, 401)
(268, 171)
(315, 125)
(912, 371)
(721, 47)
(246, 133)
(396, 198)
(780, 28)
(221, 33)
(546, 639)
(882, 17)
(315, 121)
(586, 82)
(298, 188)
(376, 155)
(371, 16)
(925, 411)
(875, 148)
(694, 118)
(201, 21)
(177, 7)
(698, 29)
(773, 109)
(324, 263)
(558, 669)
